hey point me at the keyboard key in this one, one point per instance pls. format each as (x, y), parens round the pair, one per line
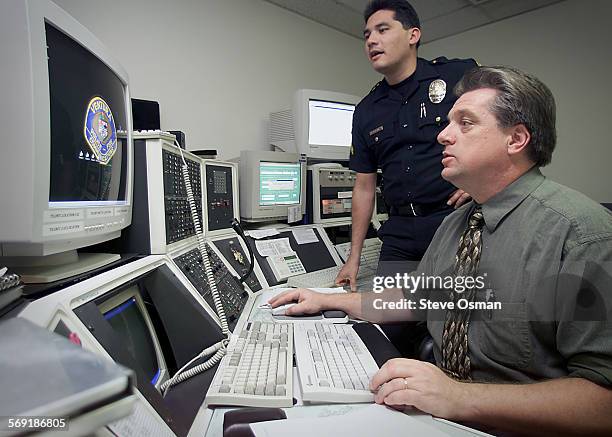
(260, 388)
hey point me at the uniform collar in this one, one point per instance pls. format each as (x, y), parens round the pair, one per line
(499, 206)
(424, 70)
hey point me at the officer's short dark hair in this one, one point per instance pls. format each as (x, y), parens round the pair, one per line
(402, 12)
(521, 99)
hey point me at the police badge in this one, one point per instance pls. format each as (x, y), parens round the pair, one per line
(100, 132)
(437, 91)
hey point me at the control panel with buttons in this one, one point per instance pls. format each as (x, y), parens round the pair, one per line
(161, 216)
(332, 190)
(221, 195)
(233, 296)
(179, 224)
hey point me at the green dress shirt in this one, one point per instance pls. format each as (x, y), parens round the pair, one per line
(547, 267)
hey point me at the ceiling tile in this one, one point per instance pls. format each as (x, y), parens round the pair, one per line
(439, 18)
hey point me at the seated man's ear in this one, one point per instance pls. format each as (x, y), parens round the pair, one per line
(519, 139)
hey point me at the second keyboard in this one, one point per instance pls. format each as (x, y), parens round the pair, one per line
(333, 363)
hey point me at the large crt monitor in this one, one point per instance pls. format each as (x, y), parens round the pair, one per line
(270, 184)
(66, 152)
(318, 125)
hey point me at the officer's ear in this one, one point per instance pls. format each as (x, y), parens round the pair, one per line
(518, 140)
(415, 35)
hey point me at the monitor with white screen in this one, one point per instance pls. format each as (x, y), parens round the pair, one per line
(270, 184)
(66, 154)
(319, 125)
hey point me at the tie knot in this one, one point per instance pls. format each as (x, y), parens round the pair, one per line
(476, 218)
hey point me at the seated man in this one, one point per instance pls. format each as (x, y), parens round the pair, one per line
(522, 337)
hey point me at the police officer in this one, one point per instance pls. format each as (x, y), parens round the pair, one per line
(395, 128)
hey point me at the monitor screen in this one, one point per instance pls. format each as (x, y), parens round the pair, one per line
(89, 142)
(279, 183)
(129, 323)
(330, 123)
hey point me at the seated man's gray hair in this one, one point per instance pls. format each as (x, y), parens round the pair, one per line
(521, 98)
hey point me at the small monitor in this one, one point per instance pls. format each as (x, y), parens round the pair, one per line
(127, 315)
(319, 125)
(270, 184)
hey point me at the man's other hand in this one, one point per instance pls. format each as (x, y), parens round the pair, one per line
(348, 273)
(401, 382)
(458, 198)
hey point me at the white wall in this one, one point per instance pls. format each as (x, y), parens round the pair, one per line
(567, 45)
(219, 67)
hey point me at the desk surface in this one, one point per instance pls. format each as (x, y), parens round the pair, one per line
(215, 426)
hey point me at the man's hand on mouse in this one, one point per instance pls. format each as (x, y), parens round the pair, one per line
(308, 301)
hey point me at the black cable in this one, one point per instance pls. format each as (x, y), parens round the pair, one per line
(237, 227)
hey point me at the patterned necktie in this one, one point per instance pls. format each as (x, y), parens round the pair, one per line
(455, 357)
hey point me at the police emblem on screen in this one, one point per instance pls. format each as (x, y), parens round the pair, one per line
(100, 132)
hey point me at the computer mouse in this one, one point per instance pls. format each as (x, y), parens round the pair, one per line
(280, 311)
(334, 314)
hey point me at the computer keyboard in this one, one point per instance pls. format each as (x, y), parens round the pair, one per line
(370, 253)
(333, 364)
(257, 369)
(326, 278)
(317, 279)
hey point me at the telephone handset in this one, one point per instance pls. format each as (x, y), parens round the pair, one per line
(218, 349)
(284, 266)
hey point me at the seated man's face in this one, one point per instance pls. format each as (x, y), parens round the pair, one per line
(475, 147)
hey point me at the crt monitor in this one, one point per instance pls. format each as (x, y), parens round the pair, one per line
(128, 316)
(319, 125)
(66, 153)
(270, 184)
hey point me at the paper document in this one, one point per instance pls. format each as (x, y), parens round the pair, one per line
(294, 214)
(279, 246)
(363, 422)
(262, 233)
(304, 236)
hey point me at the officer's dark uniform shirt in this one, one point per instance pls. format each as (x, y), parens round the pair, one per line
(395, 128)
